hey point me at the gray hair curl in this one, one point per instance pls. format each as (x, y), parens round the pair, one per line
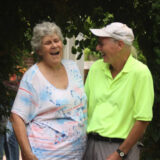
(43, 29)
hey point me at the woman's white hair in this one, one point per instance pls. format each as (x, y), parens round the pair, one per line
(43, 29)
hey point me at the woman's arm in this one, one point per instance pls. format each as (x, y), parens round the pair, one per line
(21, 135)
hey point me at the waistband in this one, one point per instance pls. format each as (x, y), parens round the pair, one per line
(97, 137)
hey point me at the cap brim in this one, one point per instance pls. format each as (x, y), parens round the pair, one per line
(99, 33)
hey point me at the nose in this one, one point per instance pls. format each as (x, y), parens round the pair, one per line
(98, 47)
(53, 45)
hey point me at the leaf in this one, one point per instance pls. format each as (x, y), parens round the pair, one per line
(79, 56)
(76, 42)
(65, 41)
(74, 50)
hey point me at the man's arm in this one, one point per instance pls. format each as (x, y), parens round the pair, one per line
(21, 135)
(135, 134)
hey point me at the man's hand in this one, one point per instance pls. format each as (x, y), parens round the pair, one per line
(114, 156)
(135, 134)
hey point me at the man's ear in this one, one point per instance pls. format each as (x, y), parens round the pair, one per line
(120, 44)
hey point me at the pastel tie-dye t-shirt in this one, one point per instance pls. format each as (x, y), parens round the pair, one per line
(55, 118)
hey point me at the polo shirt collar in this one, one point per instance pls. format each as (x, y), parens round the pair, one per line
(106, 70)
(129, 64)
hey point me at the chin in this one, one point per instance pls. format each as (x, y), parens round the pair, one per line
(57, 61)
(105, 60)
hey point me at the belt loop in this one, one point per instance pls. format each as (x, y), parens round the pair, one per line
(110, 140)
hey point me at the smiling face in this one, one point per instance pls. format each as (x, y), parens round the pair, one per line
(109, 49)
(51, 50)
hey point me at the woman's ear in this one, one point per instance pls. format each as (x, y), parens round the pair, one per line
(39, 52)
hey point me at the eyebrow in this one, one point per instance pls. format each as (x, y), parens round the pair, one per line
(99, 42)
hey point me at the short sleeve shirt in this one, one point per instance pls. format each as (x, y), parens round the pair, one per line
(115, 104)
(55, 118)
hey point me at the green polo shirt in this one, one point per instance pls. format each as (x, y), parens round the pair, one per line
(115, 104)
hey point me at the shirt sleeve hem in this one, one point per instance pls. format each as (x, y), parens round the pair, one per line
(143, 119)
(20, 115)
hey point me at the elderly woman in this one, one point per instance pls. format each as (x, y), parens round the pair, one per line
(49, 111)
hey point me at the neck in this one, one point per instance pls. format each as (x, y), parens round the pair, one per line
(46, 66)
(118, 65)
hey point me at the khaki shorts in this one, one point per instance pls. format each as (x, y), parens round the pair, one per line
(100, 150)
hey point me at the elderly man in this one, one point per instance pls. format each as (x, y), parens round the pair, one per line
(120, 97)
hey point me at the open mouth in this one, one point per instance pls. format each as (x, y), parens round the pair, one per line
(56, 53)
(103, 54)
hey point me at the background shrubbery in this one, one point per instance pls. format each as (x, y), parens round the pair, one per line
(18, 18)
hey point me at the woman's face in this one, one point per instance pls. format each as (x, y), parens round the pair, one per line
(51, 49)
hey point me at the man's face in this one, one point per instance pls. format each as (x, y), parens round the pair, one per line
(108, 48)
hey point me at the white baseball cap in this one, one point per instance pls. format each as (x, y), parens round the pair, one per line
(117, 31)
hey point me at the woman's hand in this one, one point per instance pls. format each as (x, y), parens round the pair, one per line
(29, 156)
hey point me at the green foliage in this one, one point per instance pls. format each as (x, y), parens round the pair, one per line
(6, 63)
(91, 55)
(19, 17)
(89, 40)
(86, 53)
(16, 31)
